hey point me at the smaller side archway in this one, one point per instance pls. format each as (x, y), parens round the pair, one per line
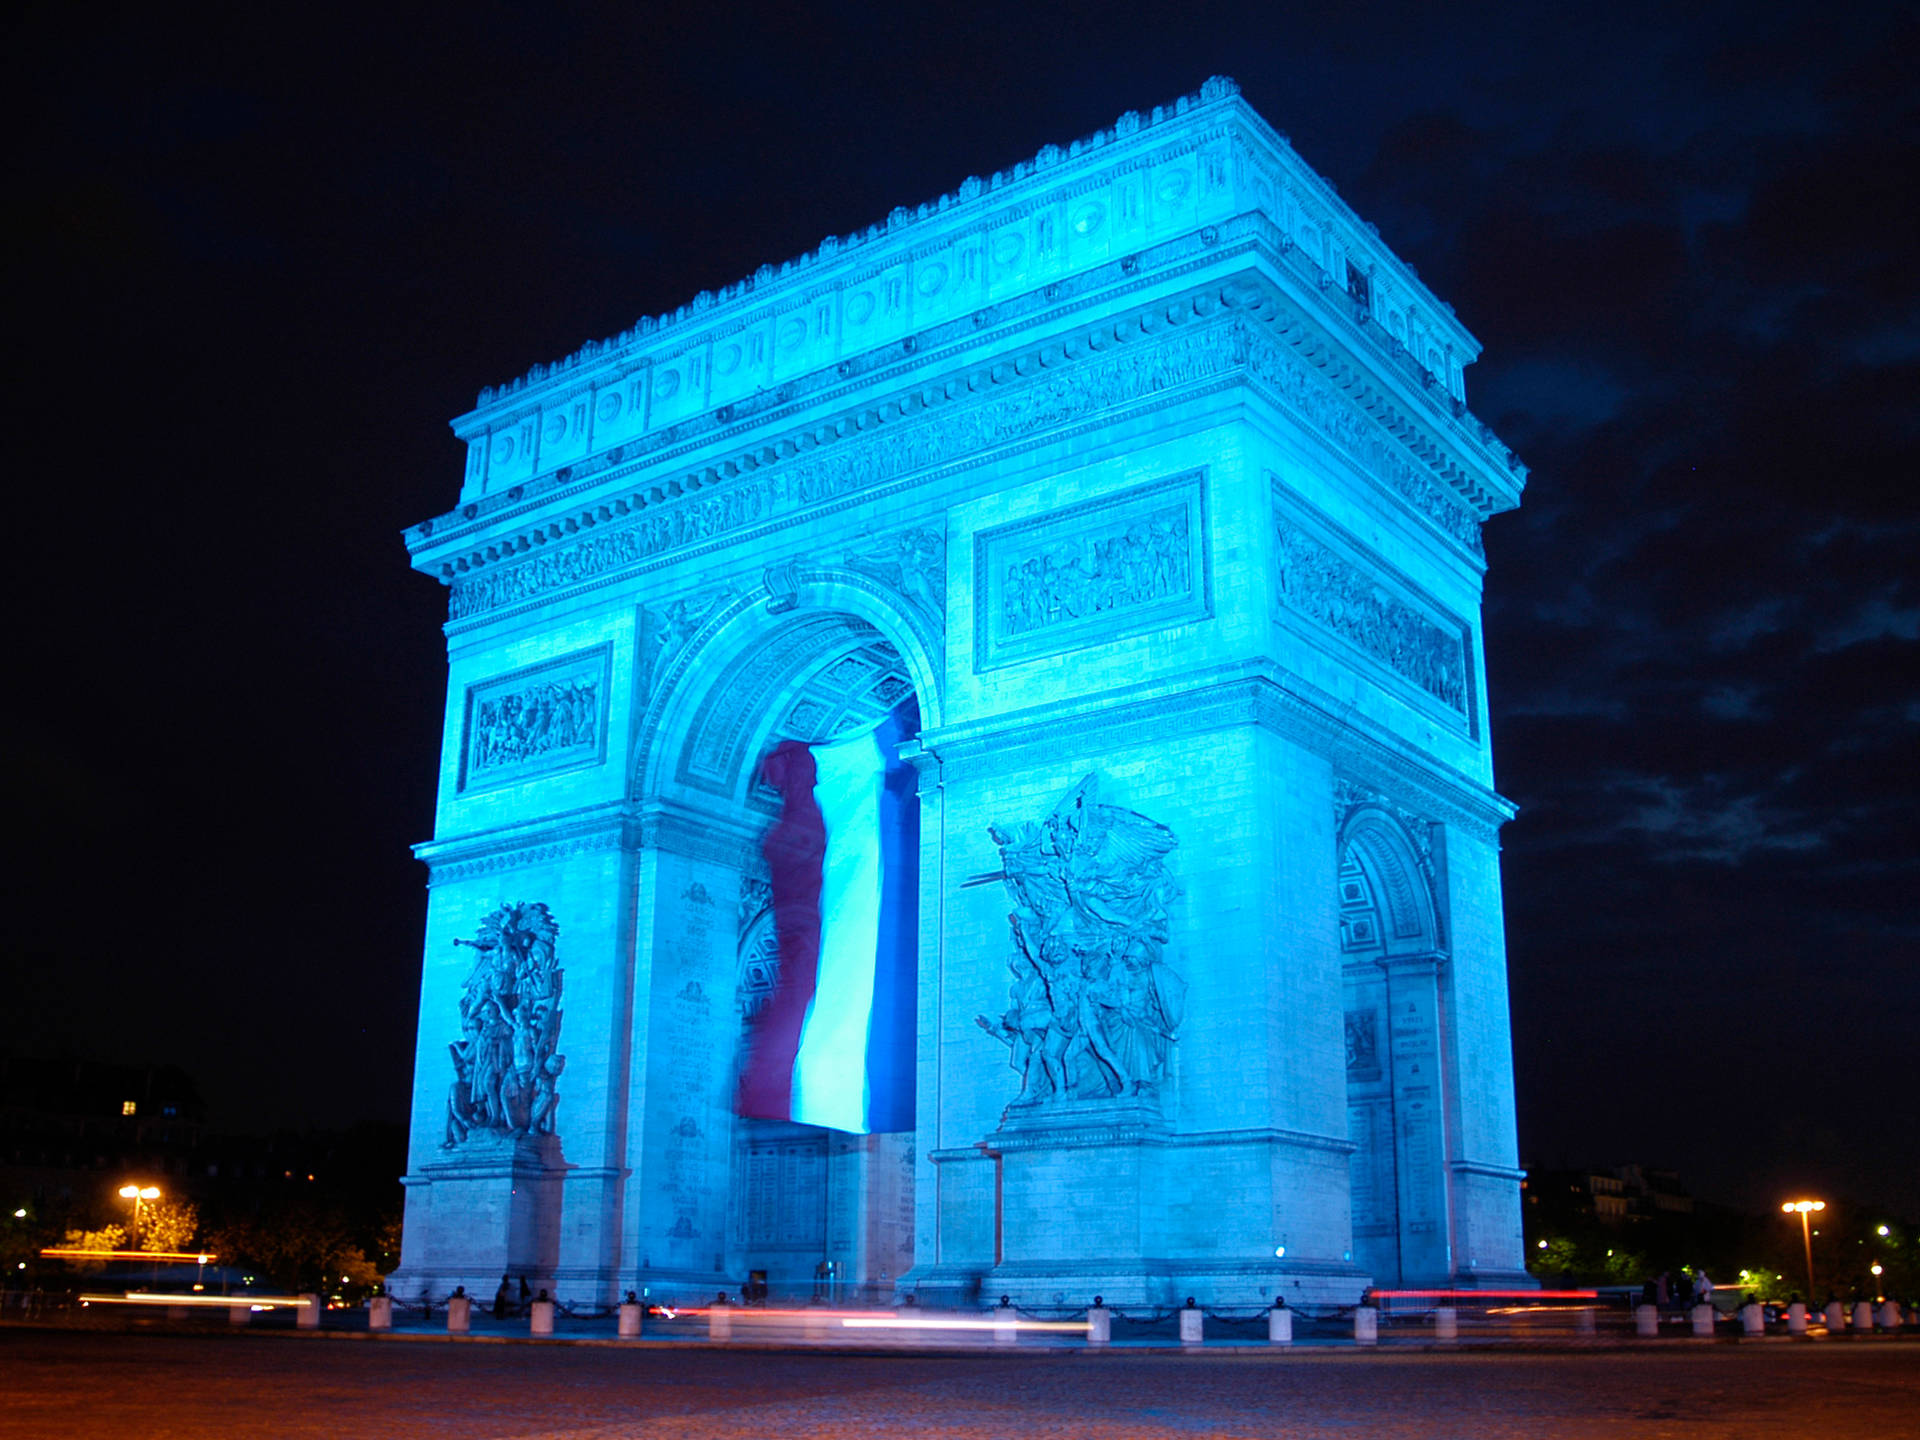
(1397, 1078)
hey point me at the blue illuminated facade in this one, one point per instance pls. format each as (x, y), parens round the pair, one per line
(1146, 469)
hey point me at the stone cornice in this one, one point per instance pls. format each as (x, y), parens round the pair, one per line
(1057, 385)
(514, 847)
(717, 445)
(697, 835)
(1250, 693)
(665, 826)
(1093, 1131)
(1486, 1171)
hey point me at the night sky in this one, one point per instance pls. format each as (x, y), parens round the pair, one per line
(257, 262)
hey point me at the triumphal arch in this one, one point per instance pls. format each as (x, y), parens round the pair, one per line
(1147, 471)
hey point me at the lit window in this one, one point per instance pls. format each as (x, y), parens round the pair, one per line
(127, 1107)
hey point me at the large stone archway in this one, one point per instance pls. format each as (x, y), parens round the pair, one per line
(792, 1202)
(1149, 470)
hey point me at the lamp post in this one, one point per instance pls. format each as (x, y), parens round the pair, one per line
(1802, 1208)
(138, 1194)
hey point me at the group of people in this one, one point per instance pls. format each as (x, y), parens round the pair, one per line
(1682, 1293)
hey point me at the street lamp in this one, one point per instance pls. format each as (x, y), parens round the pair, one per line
(1878, 1271)
(1801, 1208)
(138, 1194)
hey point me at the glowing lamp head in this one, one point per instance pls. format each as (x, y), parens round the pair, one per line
(1801, 1207)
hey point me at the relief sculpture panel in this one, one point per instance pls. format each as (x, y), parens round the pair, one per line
(1075, 577)
(1351, 600)
(549, 717)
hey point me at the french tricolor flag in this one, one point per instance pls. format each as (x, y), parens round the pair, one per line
(834, 1045)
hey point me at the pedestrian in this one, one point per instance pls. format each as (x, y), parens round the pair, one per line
(502, 1299)
(1664, 1285)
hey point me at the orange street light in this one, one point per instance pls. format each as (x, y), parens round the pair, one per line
(139, 1194)
(1803, 1208)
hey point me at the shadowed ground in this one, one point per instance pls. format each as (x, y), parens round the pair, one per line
(159, 1386)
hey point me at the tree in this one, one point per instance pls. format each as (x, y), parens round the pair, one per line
(107, 1237)
(169, 1224)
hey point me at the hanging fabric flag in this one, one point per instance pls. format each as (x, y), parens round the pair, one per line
(834, 1045)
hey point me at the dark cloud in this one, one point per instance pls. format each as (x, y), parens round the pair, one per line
(260, 259)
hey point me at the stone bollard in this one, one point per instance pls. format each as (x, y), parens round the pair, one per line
(817, 1327)
(1863, 1317)
(1280, 1324)
(1796, 1318)
(307, 1317)
(540, 1313)
(1753, 1320)
(380, 1313)
(1006, 1324)
(1586, 1322)
(1890, 1315)
(1446, 1323)
(239, 1314)
(1193, 1325)
(1366, 1325)
(720, 1319)
(1099, 1323)
(1703, 1322)
(1646, 1321)
(459, 1312)
(1836, 1317)
(630, 1313)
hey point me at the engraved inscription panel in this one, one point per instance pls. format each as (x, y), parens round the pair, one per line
(1092, 572)
(547, 717)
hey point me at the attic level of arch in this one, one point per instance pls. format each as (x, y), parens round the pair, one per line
(1135, 142)
(1455, 453)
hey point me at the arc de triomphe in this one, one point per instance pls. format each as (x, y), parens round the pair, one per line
(1147, 469)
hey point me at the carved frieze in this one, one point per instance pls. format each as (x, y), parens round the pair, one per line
(1349, 428)
(955, 431)
(1349, 597)
(548, 717)
(1094, 1005)
(894, 451)
(506, 1063)
(1090, 572)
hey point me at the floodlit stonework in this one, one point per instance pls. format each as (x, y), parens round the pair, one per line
(1143, 463)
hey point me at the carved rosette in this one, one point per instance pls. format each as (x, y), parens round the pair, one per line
(1094, 1007)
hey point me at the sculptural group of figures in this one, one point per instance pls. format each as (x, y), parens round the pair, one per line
(1146, 561)
(542, 719)
(505, 1066)
(1094, 1005)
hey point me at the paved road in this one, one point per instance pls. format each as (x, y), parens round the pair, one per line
(158, 1387)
